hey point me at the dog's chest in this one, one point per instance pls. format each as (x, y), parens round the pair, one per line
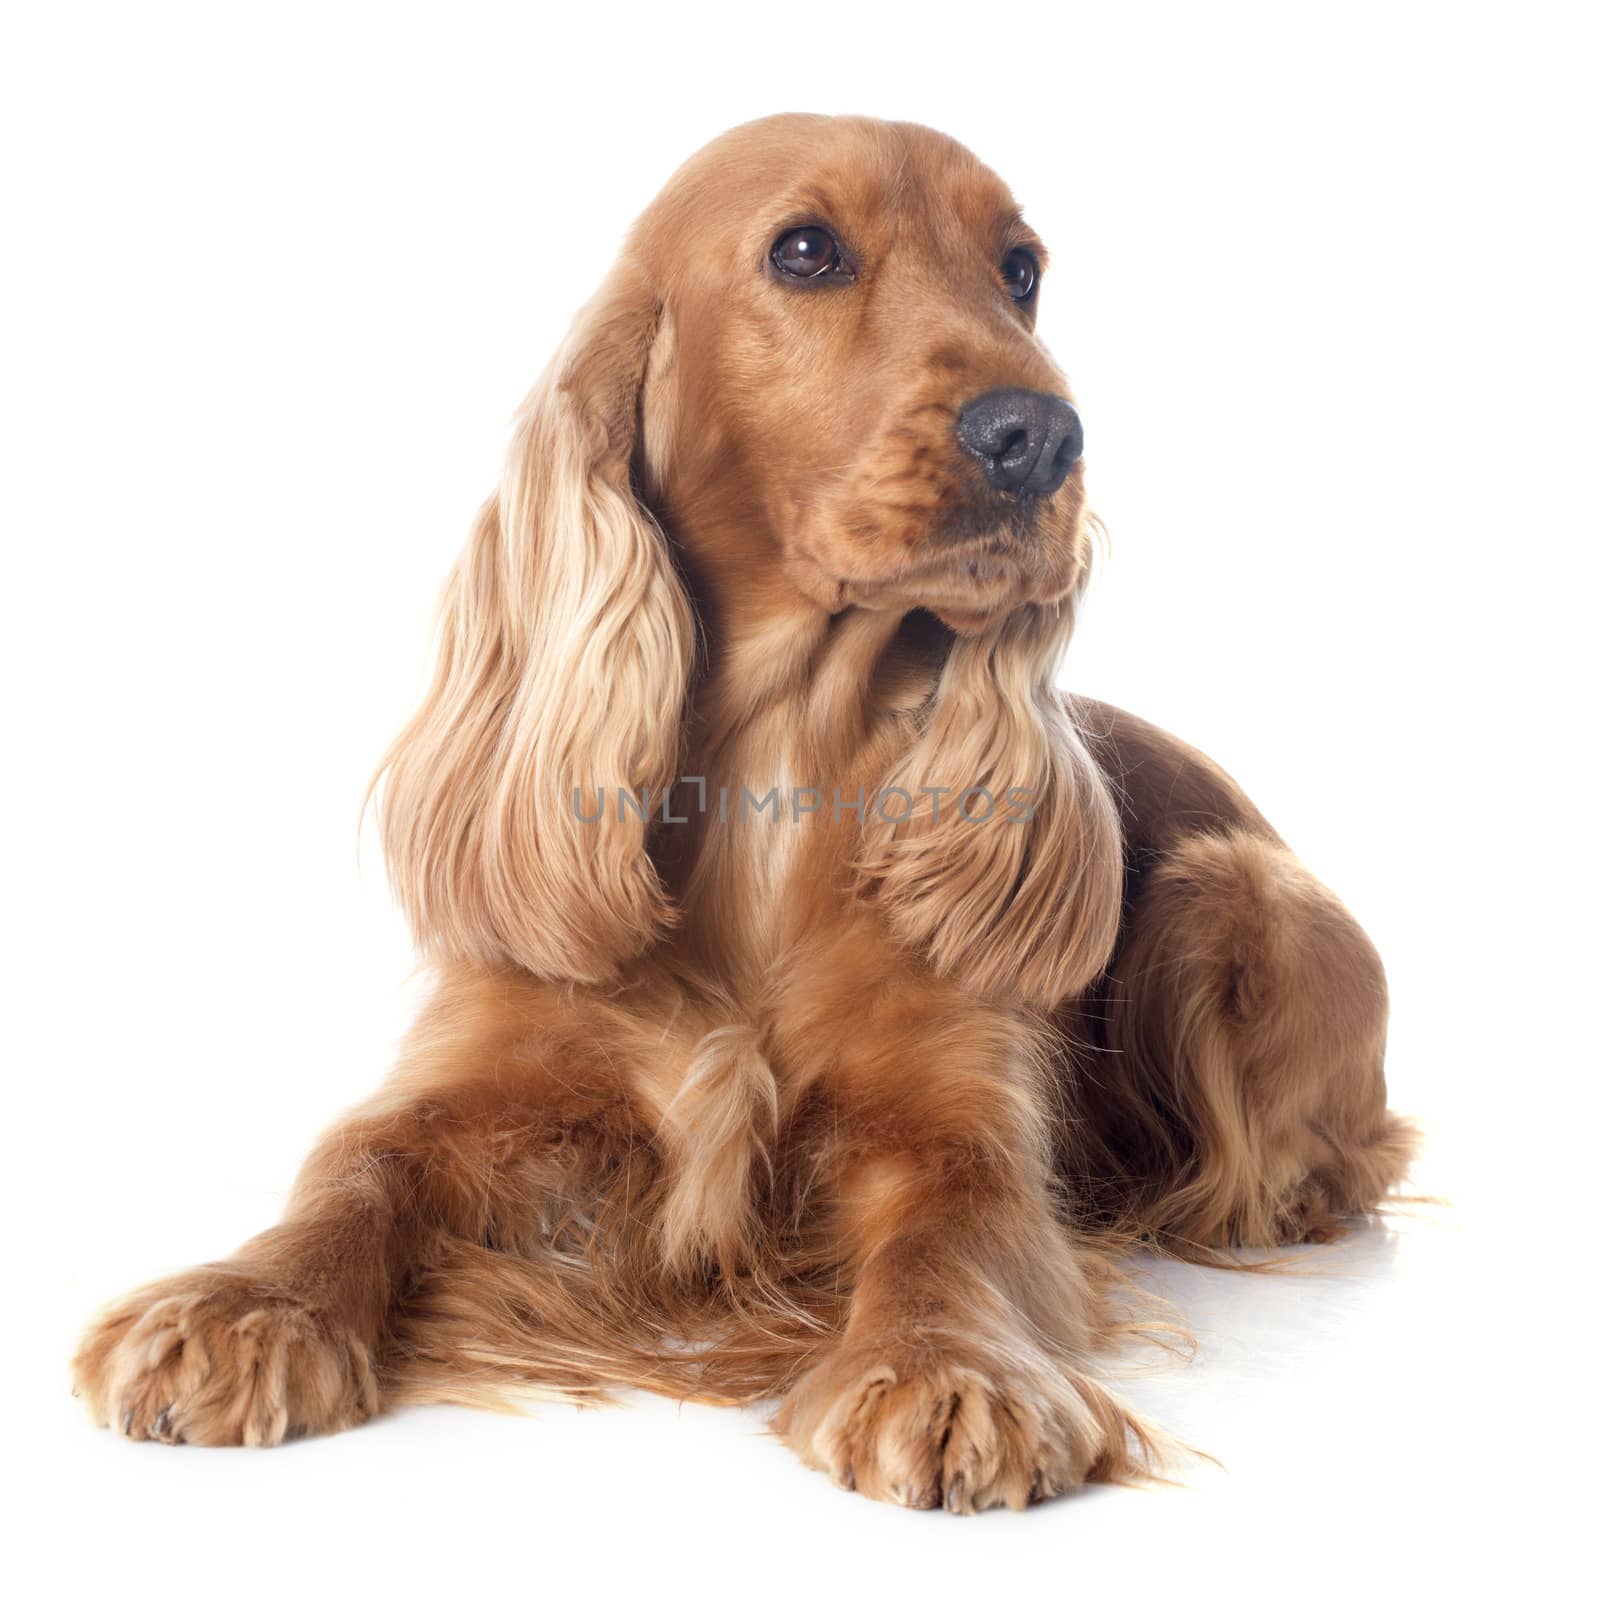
(760, 855)
(751, 839)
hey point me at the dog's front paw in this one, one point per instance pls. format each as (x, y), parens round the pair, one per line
(959, 1430)
(217, 1357)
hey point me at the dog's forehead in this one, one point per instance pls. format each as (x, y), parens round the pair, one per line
(851, 171)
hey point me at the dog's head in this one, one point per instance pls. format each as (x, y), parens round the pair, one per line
(849, 372)
(811, 379)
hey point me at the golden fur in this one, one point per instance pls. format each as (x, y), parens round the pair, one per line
(847, 1107)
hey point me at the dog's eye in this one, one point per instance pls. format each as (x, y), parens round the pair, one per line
(1020, 274)
(807, 253)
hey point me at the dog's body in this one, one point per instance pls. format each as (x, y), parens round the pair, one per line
(833, 1104)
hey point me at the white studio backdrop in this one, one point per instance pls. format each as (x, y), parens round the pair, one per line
(274, 280)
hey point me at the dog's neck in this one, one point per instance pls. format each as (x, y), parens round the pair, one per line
(794, 709)
(823, 716)
(778, 666)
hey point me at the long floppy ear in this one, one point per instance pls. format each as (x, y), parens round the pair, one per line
(1023, 905)
(566, 644)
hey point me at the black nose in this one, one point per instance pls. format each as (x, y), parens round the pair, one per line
(1027, 442)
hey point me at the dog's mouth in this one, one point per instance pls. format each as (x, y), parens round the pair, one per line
(977, 557)
(989, 587)
(993, 526)
(969, 587)
(988, 555)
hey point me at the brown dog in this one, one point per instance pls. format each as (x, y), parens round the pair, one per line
(821, 995)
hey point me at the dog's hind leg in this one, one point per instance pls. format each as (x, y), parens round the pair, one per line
(1230, 1086)
(1244, 1023)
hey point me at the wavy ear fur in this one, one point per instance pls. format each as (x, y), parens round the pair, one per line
(1023, 910)
(566, 644)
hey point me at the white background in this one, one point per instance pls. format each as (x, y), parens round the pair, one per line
(274, 280)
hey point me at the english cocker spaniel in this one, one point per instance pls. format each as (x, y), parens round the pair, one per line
(824, 1000)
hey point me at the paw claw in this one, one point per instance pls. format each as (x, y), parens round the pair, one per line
(162, 1423)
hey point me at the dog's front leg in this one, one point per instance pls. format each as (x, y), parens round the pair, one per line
(471, 1138)
(962, 1375)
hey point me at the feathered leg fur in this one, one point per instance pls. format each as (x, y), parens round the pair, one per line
(1229, 1087)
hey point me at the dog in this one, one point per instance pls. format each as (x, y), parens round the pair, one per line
(824, 1001)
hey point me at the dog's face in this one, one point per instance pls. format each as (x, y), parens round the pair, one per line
(847, 367)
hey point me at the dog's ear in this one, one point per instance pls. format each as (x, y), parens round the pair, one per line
(565, 649)
(1024, 905)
